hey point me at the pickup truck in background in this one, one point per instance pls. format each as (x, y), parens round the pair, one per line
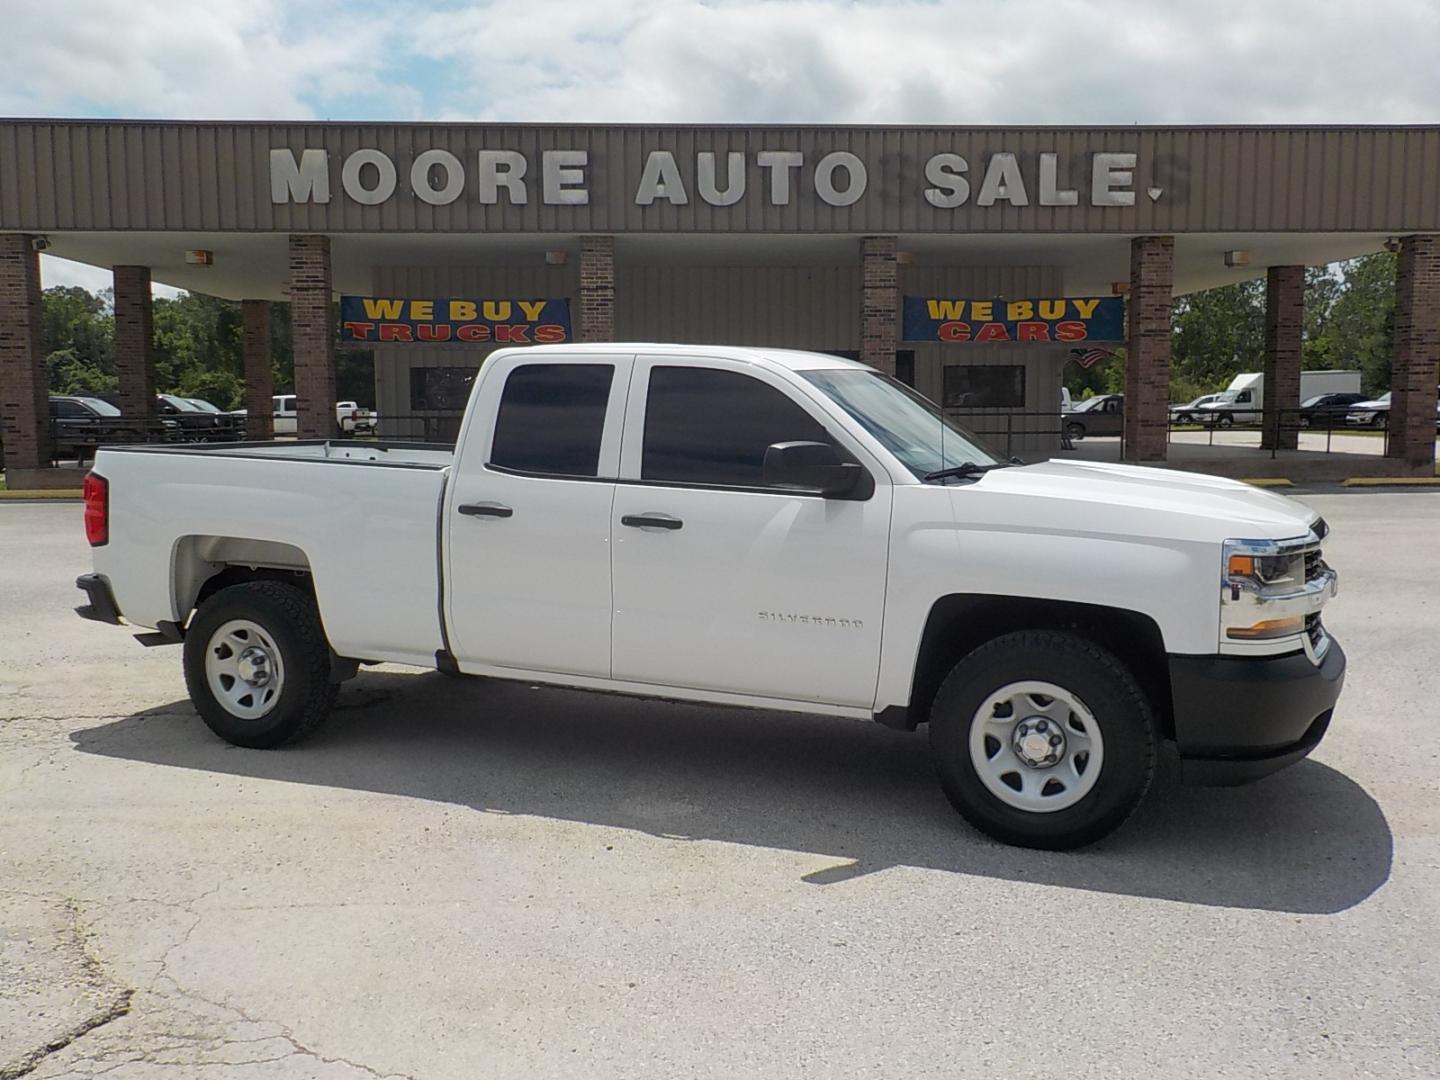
(750, 527)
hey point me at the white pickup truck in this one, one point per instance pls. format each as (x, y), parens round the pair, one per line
(751, 527)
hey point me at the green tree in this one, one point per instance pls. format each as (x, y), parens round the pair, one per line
(1360, 327)
(1218, 334)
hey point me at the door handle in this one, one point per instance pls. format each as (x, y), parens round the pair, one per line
(651, 521)
(485, 509)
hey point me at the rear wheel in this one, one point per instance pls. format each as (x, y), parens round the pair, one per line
(1043, 739)
(257, 665)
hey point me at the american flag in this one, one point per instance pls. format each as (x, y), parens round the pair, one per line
(1090, 357)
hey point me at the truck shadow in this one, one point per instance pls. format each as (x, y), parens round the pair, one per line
(1308, 840)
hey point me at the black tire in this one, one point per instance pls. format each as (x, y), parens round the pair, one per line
(306, 692)
(1075, 432)
(1107, 689)
(1226, 420)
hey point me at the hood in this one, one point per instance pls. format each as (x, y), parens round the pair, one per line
(1101, 498)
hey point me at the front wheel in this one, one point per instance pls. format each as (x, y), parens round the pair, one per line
(1075, 432)
(257, 665)
(1043, 739)
(1226, 421)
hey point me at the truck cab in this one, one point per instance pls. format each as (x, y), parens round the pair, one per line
(758, 528)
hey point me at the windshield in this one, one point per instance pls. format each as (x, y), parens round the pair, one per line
(1090, 404)
(203, 406)
(908, 425)
(104, 408)
(178, 402)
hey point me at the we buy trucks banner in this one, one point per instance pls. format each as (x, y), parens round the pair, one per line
(1072, 319)
(379, 319)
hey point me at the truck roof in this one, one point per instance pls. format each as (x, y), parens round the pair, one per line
(792, 359)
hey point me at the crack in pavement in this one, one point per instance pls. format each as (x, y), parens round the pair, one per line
(116, 1004)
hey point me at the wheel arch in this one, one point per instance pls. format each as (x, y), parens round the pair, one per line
(203, 565)
(959, 623)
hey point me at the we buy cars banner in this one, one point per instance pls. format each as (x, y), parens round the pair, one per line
(380, 319)
(932, 318)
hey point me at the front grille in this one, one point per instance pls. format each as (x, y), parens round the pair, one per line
(1314, 565)
(1312, 628)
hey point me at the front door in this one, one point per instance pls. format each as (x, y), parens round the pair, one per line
(527, 520)
(722, 584)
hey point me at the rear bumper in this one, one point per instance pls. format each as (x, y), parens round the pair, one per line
(1238, 719)
(101, 606)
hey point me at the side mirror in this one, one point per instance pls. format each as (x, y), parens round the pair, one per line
(813, 467)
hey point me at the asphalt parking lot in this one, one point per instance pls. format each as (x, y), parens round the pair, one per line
(471, 879)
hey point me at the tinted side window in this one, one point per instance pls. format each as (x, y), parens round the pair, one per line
(551, 418)
(704, 426)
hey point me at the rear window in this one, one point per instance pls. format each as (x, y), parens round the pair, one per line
(551, 419)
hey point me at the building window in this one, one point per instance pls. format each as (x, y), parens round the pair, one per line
(985, 386)
(551, 418)
(705, 426)
(441, 389)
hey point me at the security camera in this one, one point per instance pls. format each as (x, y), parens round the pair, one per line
(1392, 244)
(40, 243)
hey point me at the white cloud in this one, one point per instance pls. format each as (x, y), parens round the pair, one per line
(948, 62)
(55, 271)
(736, 61)
(258, 59)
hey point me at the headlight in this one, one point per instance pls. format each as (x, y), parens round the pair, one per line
(1270, 591)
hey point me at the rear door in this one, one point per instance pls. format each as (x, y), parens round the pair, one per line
(527, 517)
(722, 584)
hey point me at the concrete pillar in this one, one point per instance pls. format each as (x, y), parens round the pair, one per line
(312, 325)
(597, 288)
(134, 359)
(24, 387)
(1147, 363)
(879, 303)
(259, 374)
(1284, 335)
(1415, 367)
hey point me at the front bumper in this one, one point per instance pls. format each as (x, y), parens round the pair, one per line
(1240, 718)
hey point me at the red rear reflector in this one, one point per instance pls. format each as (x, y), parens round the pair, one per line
(96, 490)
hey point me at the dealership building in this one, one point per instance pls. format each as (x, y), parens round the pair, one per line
(974, 263)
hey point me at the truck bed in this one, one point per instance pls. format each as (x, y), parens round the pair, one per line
(362, 517)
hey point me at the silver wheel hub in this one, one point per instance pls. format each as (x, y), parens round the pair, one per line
(254, 666)
(1036, 746)
(244, 669)
(1038, 743)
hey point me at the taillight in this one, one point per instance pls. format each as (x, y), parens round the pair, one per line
(96, 490)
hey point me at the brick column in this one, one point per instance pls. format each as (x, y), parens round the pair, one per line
(259, 375)
(1415, 367)
(1147, 363)
(879, 303)
(312, 327)
(24, 387)
(597, 288)
(1284, 334)
(134, 361)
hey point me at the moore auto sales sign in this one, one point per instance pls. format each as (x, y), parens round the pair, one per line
(772, 176)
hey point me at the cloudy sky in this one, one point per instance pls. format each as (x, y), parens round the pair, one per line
(736, 61)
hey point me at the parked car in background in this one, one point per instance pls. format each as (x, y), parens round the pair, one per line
(1243, 401)
(78, 424)
(207, 424)
(350, 418)
(1187, 413)
(1374, 413)
(1328, 410)
(355, 420)
(1066, 402)
(1103, 414)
